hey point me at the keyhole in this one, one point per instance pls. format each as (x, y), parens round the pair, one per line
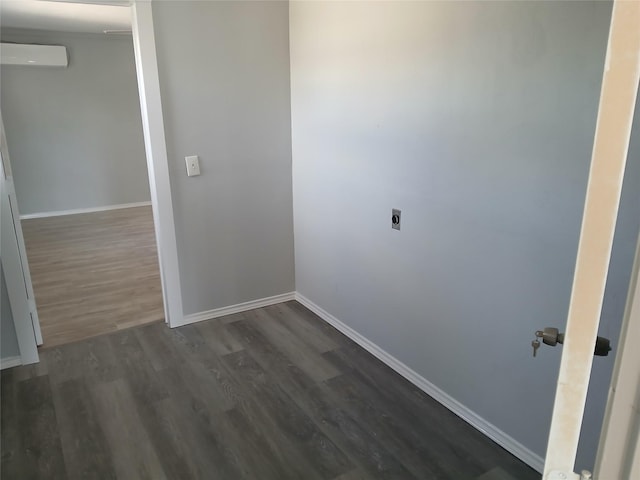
(395, 219)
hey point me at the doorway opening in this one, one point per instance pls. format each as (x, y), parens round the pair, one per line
(79, 169)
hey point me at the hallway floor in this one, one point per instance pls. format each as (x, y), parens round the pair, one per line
(93, 273)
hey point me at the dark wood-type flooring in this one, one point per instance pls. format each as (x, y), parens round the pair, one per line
(274, 393)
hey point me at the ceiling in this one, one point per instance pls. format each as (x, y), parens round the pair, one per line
(92, 16)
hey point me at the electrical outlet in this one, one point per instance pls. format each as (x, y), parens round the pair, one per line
(193, 166)
(395, 219)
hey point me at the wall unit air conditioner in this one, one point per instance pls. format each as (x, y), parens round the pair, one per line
(41, 55)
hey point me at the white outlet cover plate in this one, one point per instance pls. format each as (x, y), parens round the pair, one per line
(193, 165)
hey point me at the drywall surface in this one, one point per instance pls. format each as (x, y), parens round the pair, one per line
(476, 119)
(8, 340)
(75, 134)
(224, 80)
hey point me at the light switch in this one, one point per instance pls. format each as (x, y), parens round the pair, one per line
(193, 165)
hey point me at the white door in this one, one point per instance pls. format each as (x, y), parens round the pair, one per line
(611, 142)
(15, 265)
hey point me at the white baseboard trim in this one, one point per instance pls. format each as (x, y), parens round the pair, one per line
(501, 438)
(75, 211)
(240, 307)
(10, 362)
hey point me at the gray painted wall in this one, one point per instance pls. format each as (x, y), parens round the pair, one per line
(476, 119)
(75, 134)
(224, 78)
(8, 340)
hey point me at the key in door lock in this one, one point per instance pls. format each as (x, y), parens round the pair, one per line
(551, 336)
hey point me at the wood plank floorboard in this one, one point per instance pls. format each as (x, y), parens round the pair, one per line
(84, 445)
(41, 450)
(270, 394)
(93, 273)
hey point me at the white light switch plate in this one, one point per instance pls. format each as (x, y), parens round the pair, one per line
(193, 165)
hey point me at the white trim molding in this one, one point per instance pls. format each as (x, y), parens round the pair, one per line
(240, 307)
(13, 260)
(144, 48)
(75, 211)
(501, 438)
(10, 362)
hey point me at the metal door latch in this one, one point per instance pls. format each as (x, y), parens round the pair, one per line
(551, 336)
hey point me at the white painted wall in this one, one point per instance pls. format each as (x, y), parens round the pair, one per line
(476, 119)
(224, 80)
(75, 134)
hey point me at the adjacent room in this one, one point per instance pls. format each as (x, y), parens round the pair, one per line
(339, 227)
(79, 165)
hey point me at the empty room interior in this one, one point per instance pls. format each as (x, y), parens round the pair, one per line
(299, 240)
(81, 184)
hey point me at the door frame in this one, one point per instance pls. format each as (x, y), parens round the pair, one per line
(619, 449)
(144, 46)
(610, 150)
(17, 227)
(14, 263)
